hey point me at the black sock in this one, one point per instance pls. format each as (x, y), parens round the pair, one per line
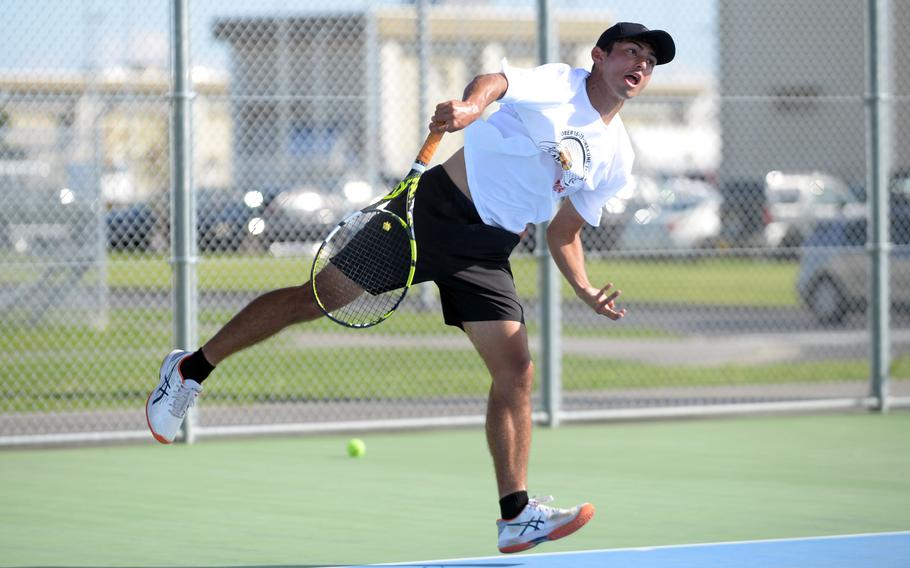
(196, 367)
(511, 505)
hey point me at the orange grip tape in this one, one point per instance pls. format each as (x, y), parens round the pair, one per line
(429, 147)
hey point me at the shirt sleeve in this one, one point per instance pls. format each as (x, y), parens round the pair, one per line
(539, 87)
(590, 204)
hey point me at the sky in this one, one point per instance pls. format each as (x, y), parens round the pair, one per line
(80, 34)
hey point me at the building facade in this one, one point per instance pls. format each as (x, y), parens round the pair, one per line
(107, 134)
(320, 98)
(793, 84)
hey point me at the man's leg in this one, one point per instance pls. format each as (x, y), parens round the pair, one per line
(181, 373)
(273, 311)
(503, 346)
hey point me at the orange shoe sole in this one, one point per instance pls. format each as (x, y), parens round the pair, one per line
(157, 436)
(585, 514)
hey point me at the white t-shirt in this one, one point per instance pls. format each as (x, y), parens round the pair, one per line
(544, 143)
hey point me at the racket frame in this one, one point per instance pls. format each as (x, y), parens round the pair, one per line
(408, 183)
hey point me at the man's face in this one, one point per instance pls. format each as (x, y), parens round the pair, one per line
(627, 69)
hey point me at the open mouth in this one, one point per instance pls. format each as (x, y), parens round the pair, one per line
(633, 79)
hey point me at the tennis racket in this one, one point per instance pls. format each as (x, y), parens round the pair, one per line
(365, 266)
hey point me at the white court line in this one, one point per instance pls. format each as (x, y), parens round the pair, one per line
(645, 548)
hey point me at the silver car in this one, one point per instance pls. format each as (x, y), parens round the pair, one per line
(676, 214)
(797, 201)
(833, 280)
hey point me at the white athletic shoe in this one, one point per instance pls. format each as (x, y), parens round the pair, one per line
(538, 523)
(166, 406)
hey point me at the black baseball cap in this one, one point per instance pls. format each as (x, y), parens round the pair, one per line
(659, 40)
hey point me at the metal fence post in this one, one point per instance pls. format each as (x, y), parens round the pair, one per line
(550, 297)
(373, 82)
(183, 205)
(423, 66)
(878, 171)
(424, 112)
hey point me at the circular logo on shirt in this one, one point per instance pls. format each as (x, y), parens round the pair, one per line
(573, 155)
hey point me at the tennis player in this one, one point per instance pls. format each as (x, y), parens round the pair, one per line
(555, 145)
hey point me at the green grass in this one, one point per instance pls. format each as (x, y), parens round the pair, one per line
(56, 366)
(302, 502)
(345, 374)
(221, 273)
(715, 281)
(75, 367)
(64, 366)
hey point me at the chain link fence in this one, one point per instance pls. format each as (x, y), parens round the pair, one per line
(740, 246)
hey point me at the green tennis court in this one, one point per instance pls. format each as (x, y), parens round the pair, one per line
(302, 502)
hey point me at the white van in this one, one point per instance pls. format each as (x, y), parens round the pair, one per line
(797, 201)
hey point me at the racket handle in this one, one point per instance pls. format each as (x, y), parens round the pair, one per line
(428, 149)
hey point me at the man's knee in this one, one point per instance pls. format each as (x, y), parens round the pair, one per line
(517, 376)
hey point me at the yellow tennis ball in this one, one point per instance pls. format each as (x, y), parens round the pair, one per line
(356, 448)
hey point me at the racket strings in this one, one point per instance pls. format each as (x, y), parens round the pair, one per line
(373, 252)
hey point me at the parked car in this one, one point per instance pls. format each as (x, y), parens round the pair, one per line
(224, 222)
(131, 227)
(679, 214)
(797, 201)
(900, 189)
(306, 214)
(227, 222)
(49, 222)
(743, 213)
(616, 214)
(834, 268)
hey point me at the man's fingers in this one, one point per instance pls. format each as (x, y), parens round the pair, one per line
(454, 115)
(607, 288)
(605, 302)
(443, 116)
(614, 315)
(611, 297)
(444, 125)
(611, 312)
(605, 296)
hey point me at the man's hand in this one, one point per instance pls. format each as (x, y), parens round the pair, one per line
(480, 93)
(603, 301)
(452, 116)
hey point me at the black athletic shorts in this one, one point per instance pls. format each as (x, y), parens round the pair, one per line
(467, 259)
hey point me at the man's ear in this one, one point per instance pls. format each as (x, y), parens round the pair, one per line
(598, 55)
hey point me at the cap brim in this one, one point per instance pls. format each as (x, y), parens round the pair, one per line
(661, 42)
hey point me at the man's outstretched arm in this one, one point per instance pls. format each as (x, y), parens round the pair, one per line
(481, 92)
(564, 240)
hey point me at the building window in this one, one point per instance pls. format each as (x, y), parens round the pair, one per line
(258, 128)
(796, 98)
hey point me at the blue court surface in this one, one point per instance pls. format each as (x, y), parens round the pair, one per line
(880, 550)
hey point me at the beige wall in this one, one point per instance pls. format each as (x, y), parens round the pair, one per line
(118, 124)
(813, 53)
